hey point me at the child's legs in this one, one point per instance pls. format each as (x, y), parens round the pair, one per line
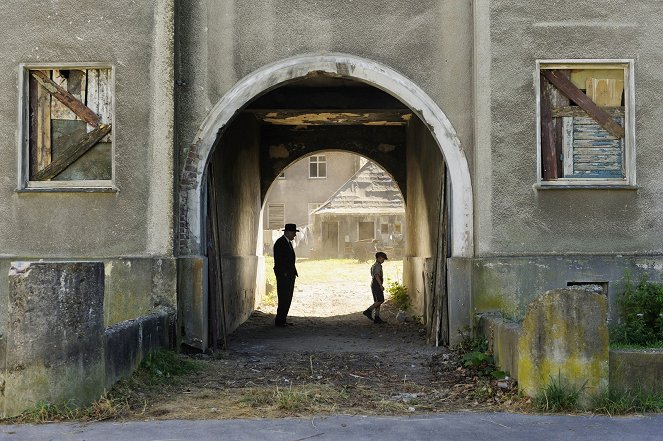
(378, 298)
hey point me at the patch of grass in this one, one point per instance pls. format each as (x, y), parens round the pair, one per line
(475, 354)
(558, 395)
(612, 402)
(45, 412)
(294, 399)
(163, 366)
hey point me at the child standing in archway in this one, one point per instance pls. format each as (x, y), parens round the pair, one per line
(377, 288)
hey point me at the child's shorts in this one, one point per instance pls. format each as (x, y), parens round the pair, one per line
(378, 293)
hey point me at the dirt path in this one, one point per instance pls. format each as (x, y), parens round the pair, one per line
(333, 360)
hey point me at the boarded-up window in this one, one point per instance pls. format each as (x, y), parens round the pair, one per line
(275, 216)
(69, 116)
(317, 166)
(585, 131)
(366, 230)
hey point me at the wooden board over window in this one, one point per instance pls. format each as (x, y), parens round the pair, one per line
(584, 129)
(69, 124)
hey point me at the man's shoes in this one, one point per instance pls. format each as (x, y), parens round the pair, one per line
(378, 320)
(368, 314)
(280, 325)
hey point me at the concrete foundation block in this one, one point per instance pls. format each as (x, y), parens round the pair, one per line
(503, 337)
(636, 370)
(564, 334)
(128, 343)
(55, 329)
(459, 295)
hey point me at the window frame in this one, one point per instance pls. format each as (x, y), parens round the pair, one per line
(24, 184)
(629, 160)
(317, 166)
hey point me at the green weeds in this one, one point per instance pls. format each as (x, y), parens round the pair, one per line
(640, 314)
(398, 295)
(559, 395)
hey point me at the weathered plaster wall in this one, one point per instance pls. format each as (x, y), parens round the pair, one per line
(136, 38)
(221, 41)
(511, 217)
(425, 177)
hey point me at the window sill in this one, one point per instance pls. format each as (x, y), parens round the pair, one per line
(576, 186)
(70, 187)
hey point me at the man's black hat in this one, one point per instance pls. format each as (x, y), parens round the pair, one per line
(291, 227)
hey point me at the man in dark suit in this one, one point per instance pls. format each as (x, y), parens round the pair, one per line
(285, 271)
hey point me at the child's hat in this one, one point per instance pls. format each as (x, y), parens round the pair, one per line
(381, 254)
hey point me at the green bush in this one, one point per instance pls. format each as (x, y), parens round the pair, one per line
(640, 314)
(398, 295)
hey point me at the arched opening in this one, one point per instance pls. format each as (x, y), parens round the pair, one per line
(346, 208)
(294, 108)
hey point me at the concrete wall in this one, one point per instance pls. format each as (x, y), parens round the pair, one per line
(130, 228)
(508, 284)
(511, 217)
(235, 164)
(425, 177)
(56, 347)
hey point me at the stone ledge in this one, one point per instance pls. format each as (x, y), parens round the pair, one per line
(127, 343)
(636, 369)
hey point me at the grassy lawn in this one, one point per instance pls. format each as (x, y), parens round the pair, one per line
(333, 270)
(315, 272)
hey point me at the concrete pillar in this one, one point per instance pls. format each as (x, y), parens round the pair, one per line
(192, 301)
(565, 335)
(54, 348)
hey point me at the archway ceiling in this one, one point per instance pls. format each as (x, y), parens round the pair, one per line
(315, 105)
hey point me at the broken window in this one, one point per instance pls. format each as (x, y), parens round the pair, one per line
(275, 216)
(317, 166)
(585, 123)
(67, 127)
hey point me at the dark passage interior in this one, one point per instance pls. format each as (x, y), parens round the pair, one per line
(316, 114)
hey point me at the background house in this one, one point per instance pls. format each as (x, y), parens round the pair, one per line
(300, 189)
(367, 213)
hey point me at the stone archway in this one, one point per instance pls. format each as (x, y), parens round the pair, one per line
(342, 65)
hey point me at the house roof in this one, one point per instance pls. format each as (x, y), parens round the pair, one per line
(370, 191)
